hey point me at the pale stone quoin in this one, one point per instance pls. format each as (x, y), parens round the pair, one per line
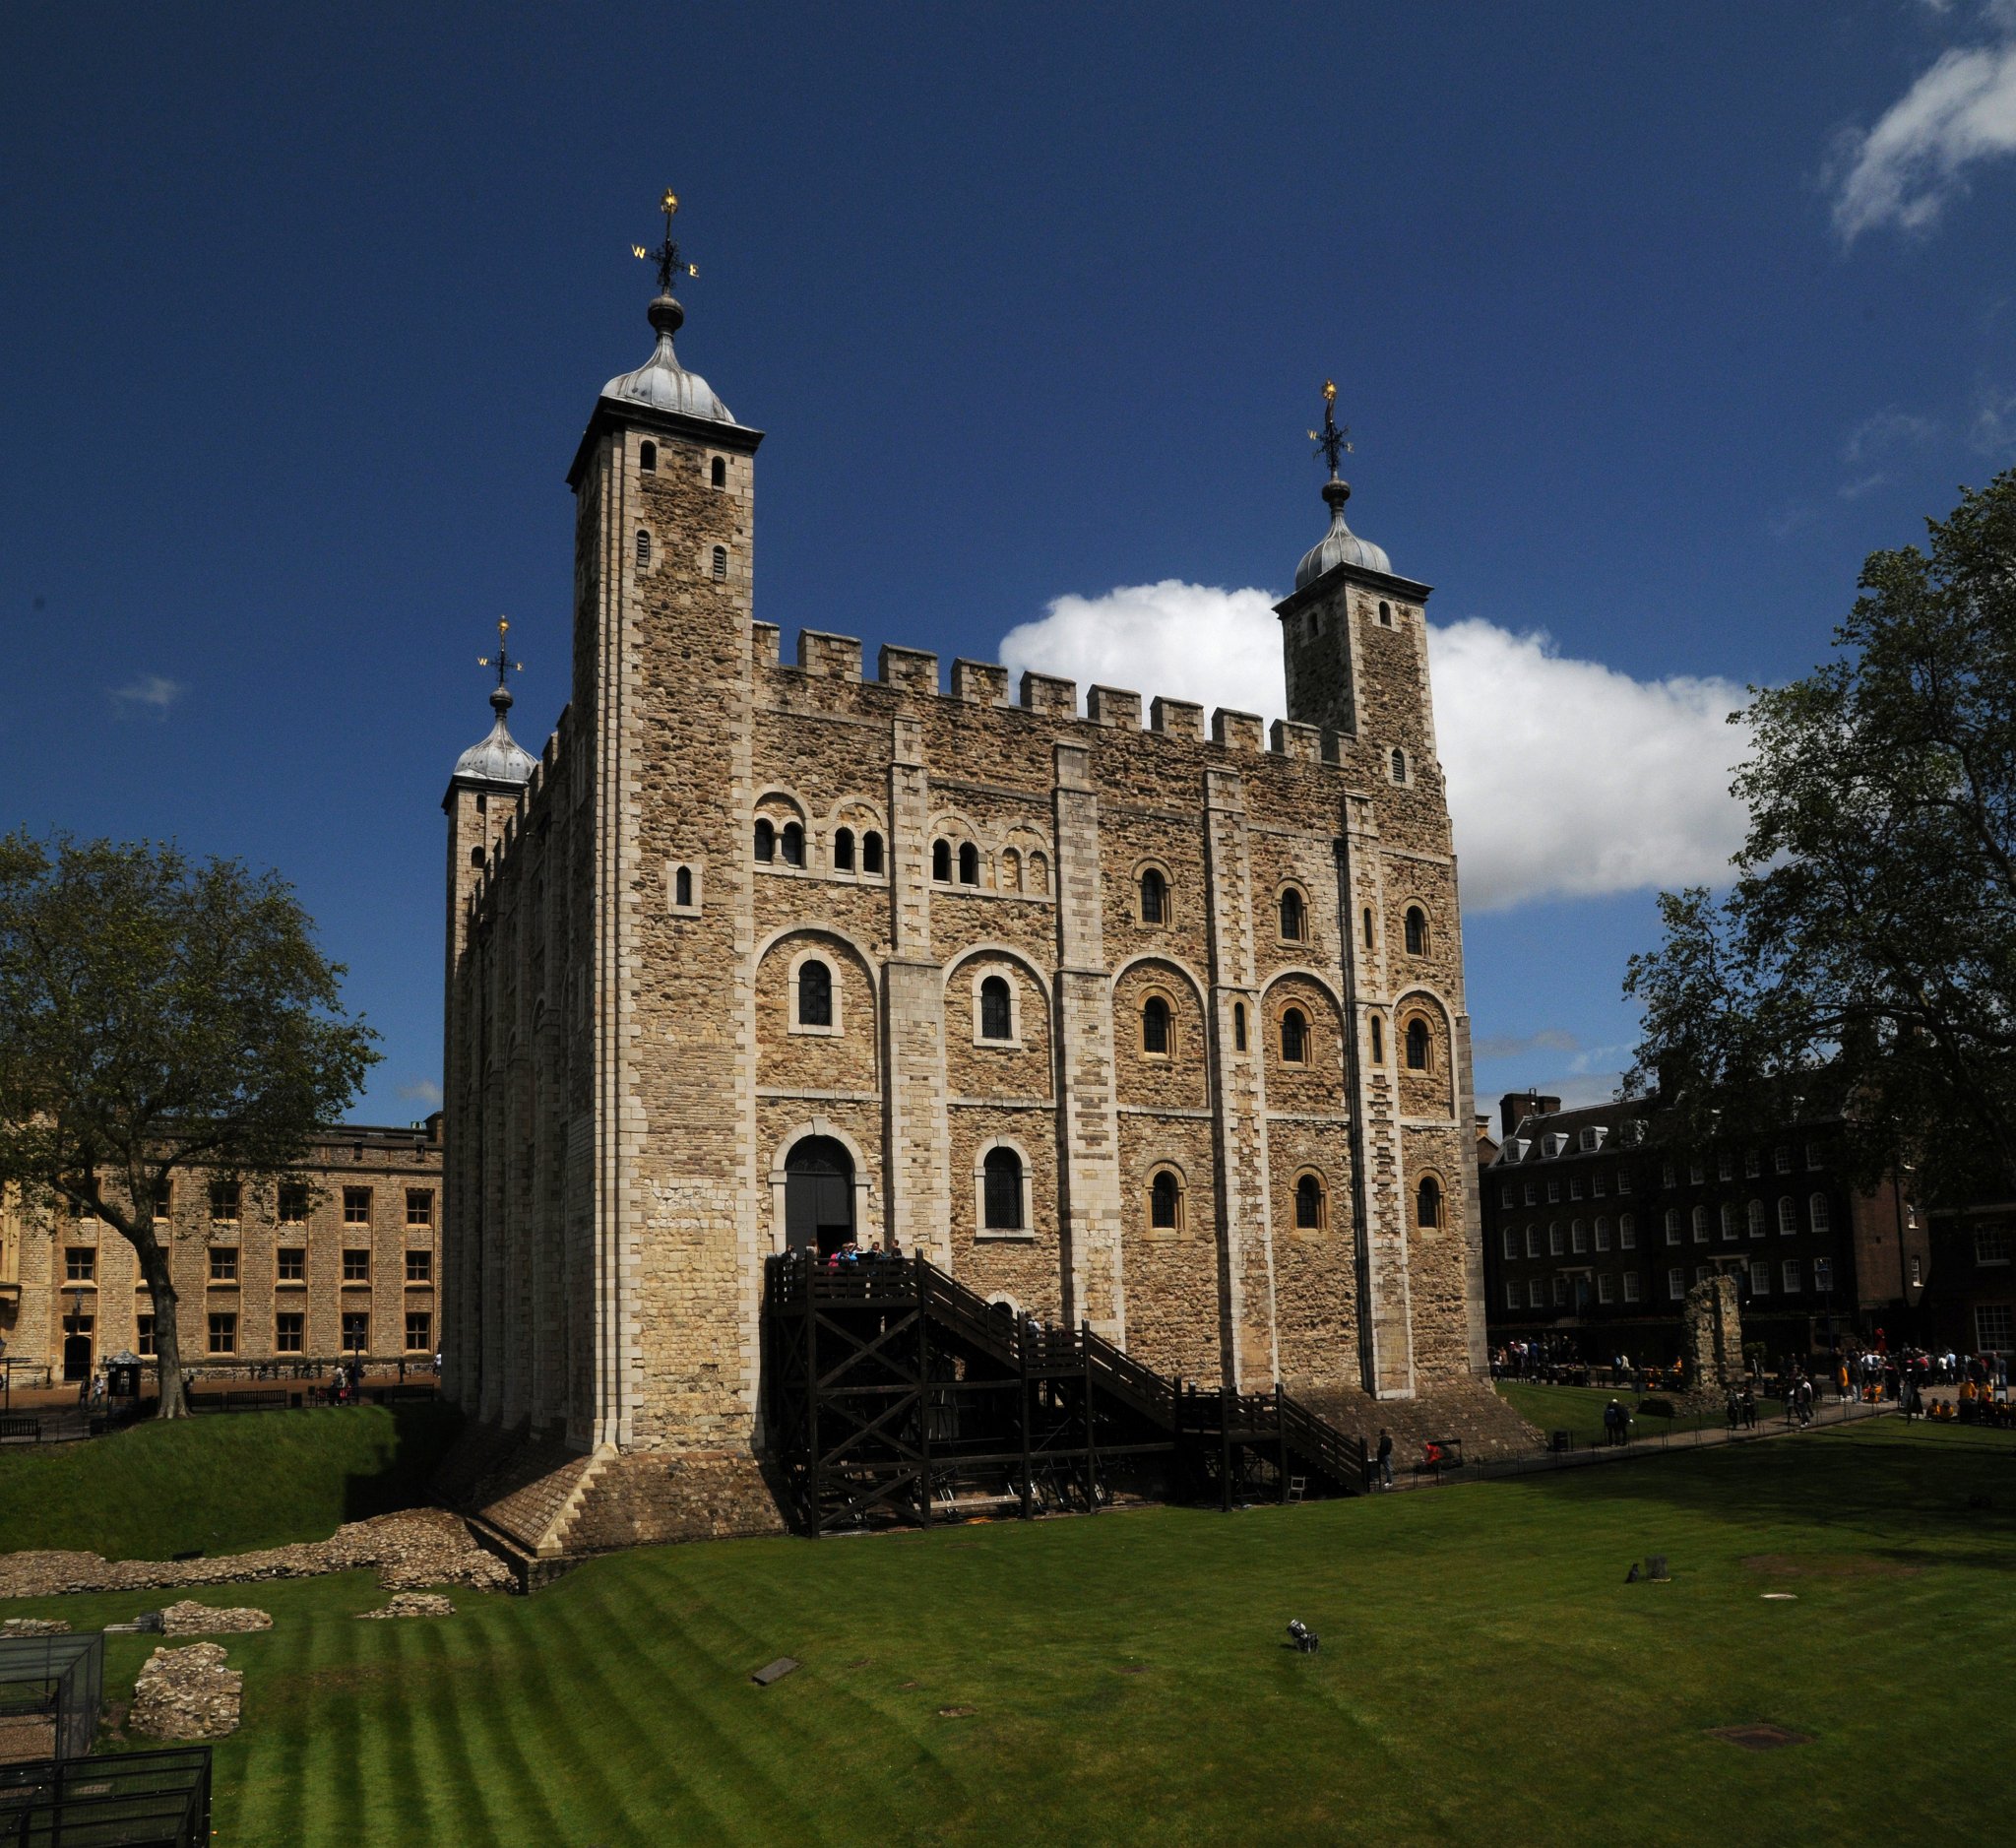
(1161, 1029)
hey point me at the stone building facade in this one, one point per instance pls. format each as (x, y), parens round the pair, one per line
(338, 1259)
(1125, 1014)
(1597, 1228)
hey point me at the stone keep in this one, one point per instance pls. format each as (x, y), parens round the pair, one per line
(740, 910)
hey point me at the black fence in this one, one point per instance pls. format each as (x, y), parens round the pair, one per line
(49, 1693)
(131, 1800)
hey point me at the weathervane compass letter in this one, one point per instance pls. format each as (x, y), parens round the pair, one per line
(669, 264)
(1331, 441)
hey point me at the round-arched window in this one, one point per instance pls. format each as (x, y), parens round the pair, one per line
(941, 861)
(844, 850)
(1166, 1201)
(1310, 1204)
(997, 1014)
(793, 841)
(1427, 1202)
(969, 864)
(765, 841)
(815, 994)
(1155, 1026)
(1420, 1045)
(1416, 932)
(1155, 898)
(1294, 916)
(1002, 1188)
(1295, 1038)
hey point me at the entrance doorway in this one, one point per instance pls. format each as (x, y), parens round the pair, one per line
(76, 1354)
(818, 1197)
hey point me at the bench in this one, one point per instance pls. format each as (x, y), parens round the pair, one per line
(264, 1399)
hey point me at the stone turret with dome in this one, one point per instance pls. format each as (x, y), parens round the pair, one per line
(1340, 546)
(661, 382)
(498, 757)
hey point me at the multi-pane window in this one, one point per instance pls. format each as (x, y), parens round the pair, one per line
(1001, 1184)
(1665, 1174)
(1532, 1241)
(1531, 1197)
(1553, 1192)
(1630, 1286)
(1725, 1165)
(293, 1203)
(997, 1012)
(356, 1267)
(1511, 1241)
(1991, 1327)
(815, 994)
(293, 1263)
(356, 1333)
(1757, 1219)
(287, 1335)
(357, 1206)
(1533, 1293)
(1753, 1164)
(81, 1263)
(1602, 1234)
(1505, 1196)
(1991, 1245)
(1782, 1159)
(1821, 1213)
(1627, 1231)
(1605, 1288)
(1729, 1219)
(1511, 1295)
(1788, 1215)
(224, 1333)
(1677, 1282)
(1556, 1247)
(1760, 1276)
(1574, 1186)
(1577, 1235)
(419, 1331)
(1598, 1187)
(1560, 1292)
(1814, 1158)
(142, 1337)
(1823, 1273)
(223, 1264)
(419, 1267)
(1623, 1181)
(163, 1200)
(223, 1200)
(1791, 1273)
(1700, 1225)
(1672, 1225)
(420, 1206)
(1697, 1171)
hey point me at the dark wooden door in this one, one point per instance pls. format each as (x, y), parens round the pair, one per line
(818, 1197)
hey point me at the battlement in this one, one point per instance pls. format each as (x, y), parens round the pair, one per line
(914, 672)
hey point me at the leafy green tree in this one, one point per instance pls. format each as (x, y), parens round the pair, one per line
(1869, 944)
(159, 1016)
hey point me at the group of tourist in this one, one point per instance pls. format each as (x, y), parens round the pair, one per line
(347, 1384)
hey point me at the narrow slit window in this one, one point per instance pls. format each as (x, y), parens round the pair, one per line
(682, 886)
(1368, 926)
(642, 552)
(1378, 1042)
(1399, 765)
(1238, 1026)
(721, 565)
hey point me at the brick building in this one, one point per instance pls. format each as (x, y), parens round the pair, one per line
(1594, 1228)
(1970, 1280)
(1158, 1028)
(340, 1259)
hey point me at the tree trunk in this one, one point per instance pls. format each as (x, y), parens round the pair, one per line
(167, 1337)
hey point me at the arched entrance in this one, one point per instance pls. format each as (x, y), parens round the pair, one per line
(818, 1197)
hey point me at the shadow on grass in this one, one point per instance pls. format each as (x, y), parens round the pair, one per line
(422, 1431)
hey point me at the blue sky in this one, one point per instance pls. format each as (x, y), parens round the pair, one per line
(1649, 323)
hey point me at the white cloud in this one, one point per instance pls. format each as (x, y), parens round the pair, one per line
(421, 1091)
(155, 690)
(1904, 171)
(1525, 1044)
(1566, 779)
(1886, 430)
(1994, 421)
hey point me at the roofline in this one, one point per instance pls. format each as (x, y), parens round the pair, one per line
(483, 785)
(738, 438)
(1410, 588)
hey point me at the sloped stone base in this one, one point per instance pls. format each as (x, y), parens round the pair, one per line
(1467, 1409)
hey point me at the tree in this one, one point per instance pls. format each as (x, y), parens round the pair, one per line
(158, 1016)
(1869, 944)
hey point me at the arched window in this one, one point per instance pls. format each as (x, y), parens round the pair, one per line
(844, 850)
(815, 994)
(721, 565)
(1399, 765)
(793, 842)
(1238, 1026)
(1821, 1213)
(969, 864)
(1427, 1202)
(1672, 1225)
(1293, 916)
(1386, 614)
(872, 853)
(1788, 1215)
(682, 886)
(1757, 1226)
(1295, 1038)
(1420, 1046)
(1700, 1218)
(941, 861)
(1003, 1189)
(1166, 1201)
(1155, 898)
(997, 1014)
(646, 458)
(475, 857)
(1155, 1026)
(1368, 926)
(1038, 873)
(1378, 1042)
(644, 552)
(1416, 932)
(1011, 870)
(719, 472)
(1310, 1204)
(765, 841)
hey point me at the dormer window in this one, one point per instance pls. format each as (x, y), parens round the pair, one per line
(1552, 1145)
(1592, 1139)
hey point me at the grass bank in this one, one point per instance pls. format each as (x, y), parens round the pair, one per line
(1486, 1675)
(1579, 1409)
(223, 1483)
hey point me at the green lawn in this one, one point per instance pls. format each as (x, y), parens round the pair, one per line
(223, 1482)
(1580, 1408)
(1486, 1675)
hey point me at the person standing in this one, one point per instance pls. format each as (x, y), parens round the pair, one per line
(1385, 1458)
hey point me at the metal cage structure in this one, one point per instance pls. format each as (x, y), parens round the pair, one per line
(50, 1687)
(128, 1799)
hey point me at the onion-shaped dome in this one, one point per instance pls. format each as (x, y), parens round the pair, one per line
(661, 382)
(1340, 546)
(499, 757)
